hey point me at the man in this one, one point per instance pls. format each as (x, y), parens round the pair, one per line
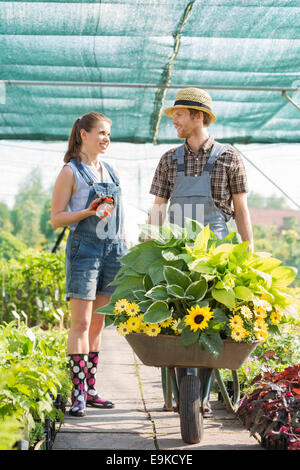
(201, 179)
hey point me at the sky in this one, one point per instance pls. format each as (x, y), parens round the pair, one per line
(136, 164)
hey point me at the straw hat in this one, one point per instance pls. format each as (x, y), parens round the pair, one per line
(194, 98)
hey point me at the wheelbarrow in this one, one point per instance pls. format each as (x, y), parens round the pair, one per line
(182, 368)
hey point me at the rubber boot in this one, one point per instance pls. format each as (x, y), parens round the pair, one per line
(78, 368)
(93, 397)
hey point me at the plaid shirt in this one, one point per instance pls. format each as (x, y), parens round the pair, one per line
(228, 175)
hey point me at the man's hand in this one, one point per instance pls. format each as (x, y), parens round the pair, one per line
(158, 213)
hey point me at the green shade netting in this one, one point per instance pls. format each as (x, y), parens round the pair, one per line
(227, 44)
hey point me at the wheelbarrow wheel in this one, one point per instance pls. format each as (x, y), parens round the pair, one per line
(191, 418)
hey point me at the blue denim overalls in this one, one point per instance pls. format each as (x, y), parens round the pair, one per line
(95, 246)
(192, 198)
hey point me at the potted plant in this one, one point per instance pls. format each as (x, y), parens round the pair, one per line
(186, 284)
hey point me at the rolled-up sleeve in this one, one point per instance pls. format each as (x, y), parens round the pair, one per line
(237, 175)
(160, 184)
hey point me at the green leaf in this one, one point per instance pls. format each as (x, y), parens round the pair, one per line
(243, 293)
(175, 291)
(189, 337)
(225, 297)
(126, 287)
(145, 304)
(147, 282)
(197, 289)
(201, 241)
(140, 295)
(175, 276)
(266, 264)
(212, 343)
(157, 312)
(192, 228)
(157, 293)
(106, 309)
(201, 266)
(142, 256)
(171, 254)
(219, 315)
(282, 276)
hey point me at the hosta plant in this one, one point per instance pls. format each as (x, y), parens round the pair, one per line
(187, 282)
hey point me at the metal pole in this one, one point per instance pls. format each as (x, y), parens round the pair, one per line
(146, 85)
(269, 179)
(290, 99)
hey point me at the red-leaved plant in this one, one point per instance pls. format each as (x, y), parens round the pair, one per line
(272, 410)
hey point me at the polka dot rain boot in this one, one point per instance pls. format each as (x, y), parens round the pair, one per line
(78, 368)
(93, 397)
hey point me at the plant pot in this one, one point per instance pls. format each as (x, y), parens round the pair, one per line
(168, 351)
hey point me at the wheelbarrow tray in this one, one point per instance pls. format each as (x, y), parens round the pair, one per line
(169, 351)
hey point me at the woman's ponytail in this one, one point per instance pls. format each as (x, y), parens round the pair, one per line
(74, 142)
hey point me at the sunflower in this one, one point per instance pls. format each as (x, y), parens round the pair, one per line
(246, 312)
(132, 309)
(133, 323)
(120, 306)
(275, 318)
(198, 317)
(153, 330)
(123, 329)
(236, 321)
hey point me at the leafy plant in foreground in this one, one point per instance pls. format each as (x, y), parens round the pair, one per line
(187, 282)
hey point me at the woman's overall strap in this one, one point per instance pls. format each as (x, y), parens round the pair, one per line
(112, 173)
(87, 178)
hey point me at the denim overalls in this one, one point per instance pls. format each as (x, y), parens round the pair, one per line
(95, 246)
(192, 198)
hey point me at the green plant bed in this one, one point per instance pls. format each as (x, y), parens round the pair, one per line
(33, 371)
(34, 284)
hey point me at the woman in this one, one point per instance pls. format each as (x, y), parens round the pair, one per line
(94, 246)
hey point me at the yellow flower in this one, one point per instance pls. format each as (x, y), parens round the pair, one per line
(261, 307)
(153, 330)
(123, 329)
(166, 323)
(198, 317)
(279, 309)
(133, 323)
(275, 318)
(132, 309)
(261, 335)
(238, 334)
(142, 328)
(175, 328)
(236, 321)
(120, 306)
(260, 312)
(246, 312)
(260, 325)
